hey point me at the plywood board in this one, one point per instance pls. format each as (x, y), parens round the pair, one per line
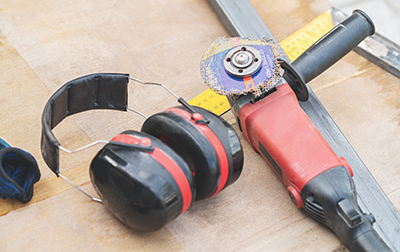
(45, 44)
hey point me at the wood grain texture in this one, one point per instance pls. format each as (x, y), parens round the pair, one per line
(45, 44)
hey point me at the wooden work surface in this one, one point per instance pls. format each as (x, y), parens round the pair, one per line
(44, 44)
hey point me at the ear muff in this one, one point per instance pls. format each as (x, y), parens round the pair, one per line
(230, 141)
(146, 180)
(143, 189)
(216, 163)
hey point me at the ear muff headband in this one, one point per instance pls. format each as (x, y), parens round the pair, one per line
(214, 140)
(95, 91)
(165, 161)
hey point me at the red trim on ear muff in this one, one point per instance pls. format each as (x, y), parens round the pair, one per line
(216, 143)
(178, 175)
(124, 138)
(168, 163)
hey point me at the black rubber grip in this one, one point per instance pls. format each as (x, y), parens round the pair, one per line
(369, 241)
(327, 51)
(334, 45)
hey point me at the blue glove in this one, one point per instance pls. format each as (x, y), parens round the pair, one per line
(18, 172)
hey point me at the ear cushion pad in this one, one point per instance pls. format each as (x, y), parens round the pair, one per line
(190, 143)
(136, 186)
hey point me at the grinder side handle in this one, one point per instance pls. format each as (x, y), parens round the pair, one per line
(327, 51)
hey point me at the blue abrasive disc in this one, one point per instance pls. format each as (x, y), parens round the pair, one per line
(217, 77)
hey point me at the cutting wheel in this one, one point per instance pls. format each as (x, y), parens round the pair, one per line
(240, 65)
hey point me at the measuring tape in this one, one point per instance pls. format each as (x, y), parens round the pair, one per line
(218, 104)
(293, 46)
(302, 39)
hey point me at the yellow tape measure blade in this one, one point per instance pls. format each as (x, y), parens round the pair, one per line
(302, 39)
(218, 104)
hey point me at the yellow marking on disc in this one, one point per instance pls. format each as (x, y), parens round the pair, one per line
(248, 82)
(294, 46)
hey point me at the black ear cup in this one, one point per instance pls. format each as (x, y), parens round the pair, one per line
(212, 150)
(230, 141)
(154, 175)
(143, 189)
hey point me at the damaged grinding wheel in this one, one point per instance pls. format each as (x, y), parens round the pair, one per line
(236, 66)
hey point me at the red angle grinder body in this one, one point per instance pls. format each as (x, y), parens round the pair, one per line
(273, 123)
(282, 133)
